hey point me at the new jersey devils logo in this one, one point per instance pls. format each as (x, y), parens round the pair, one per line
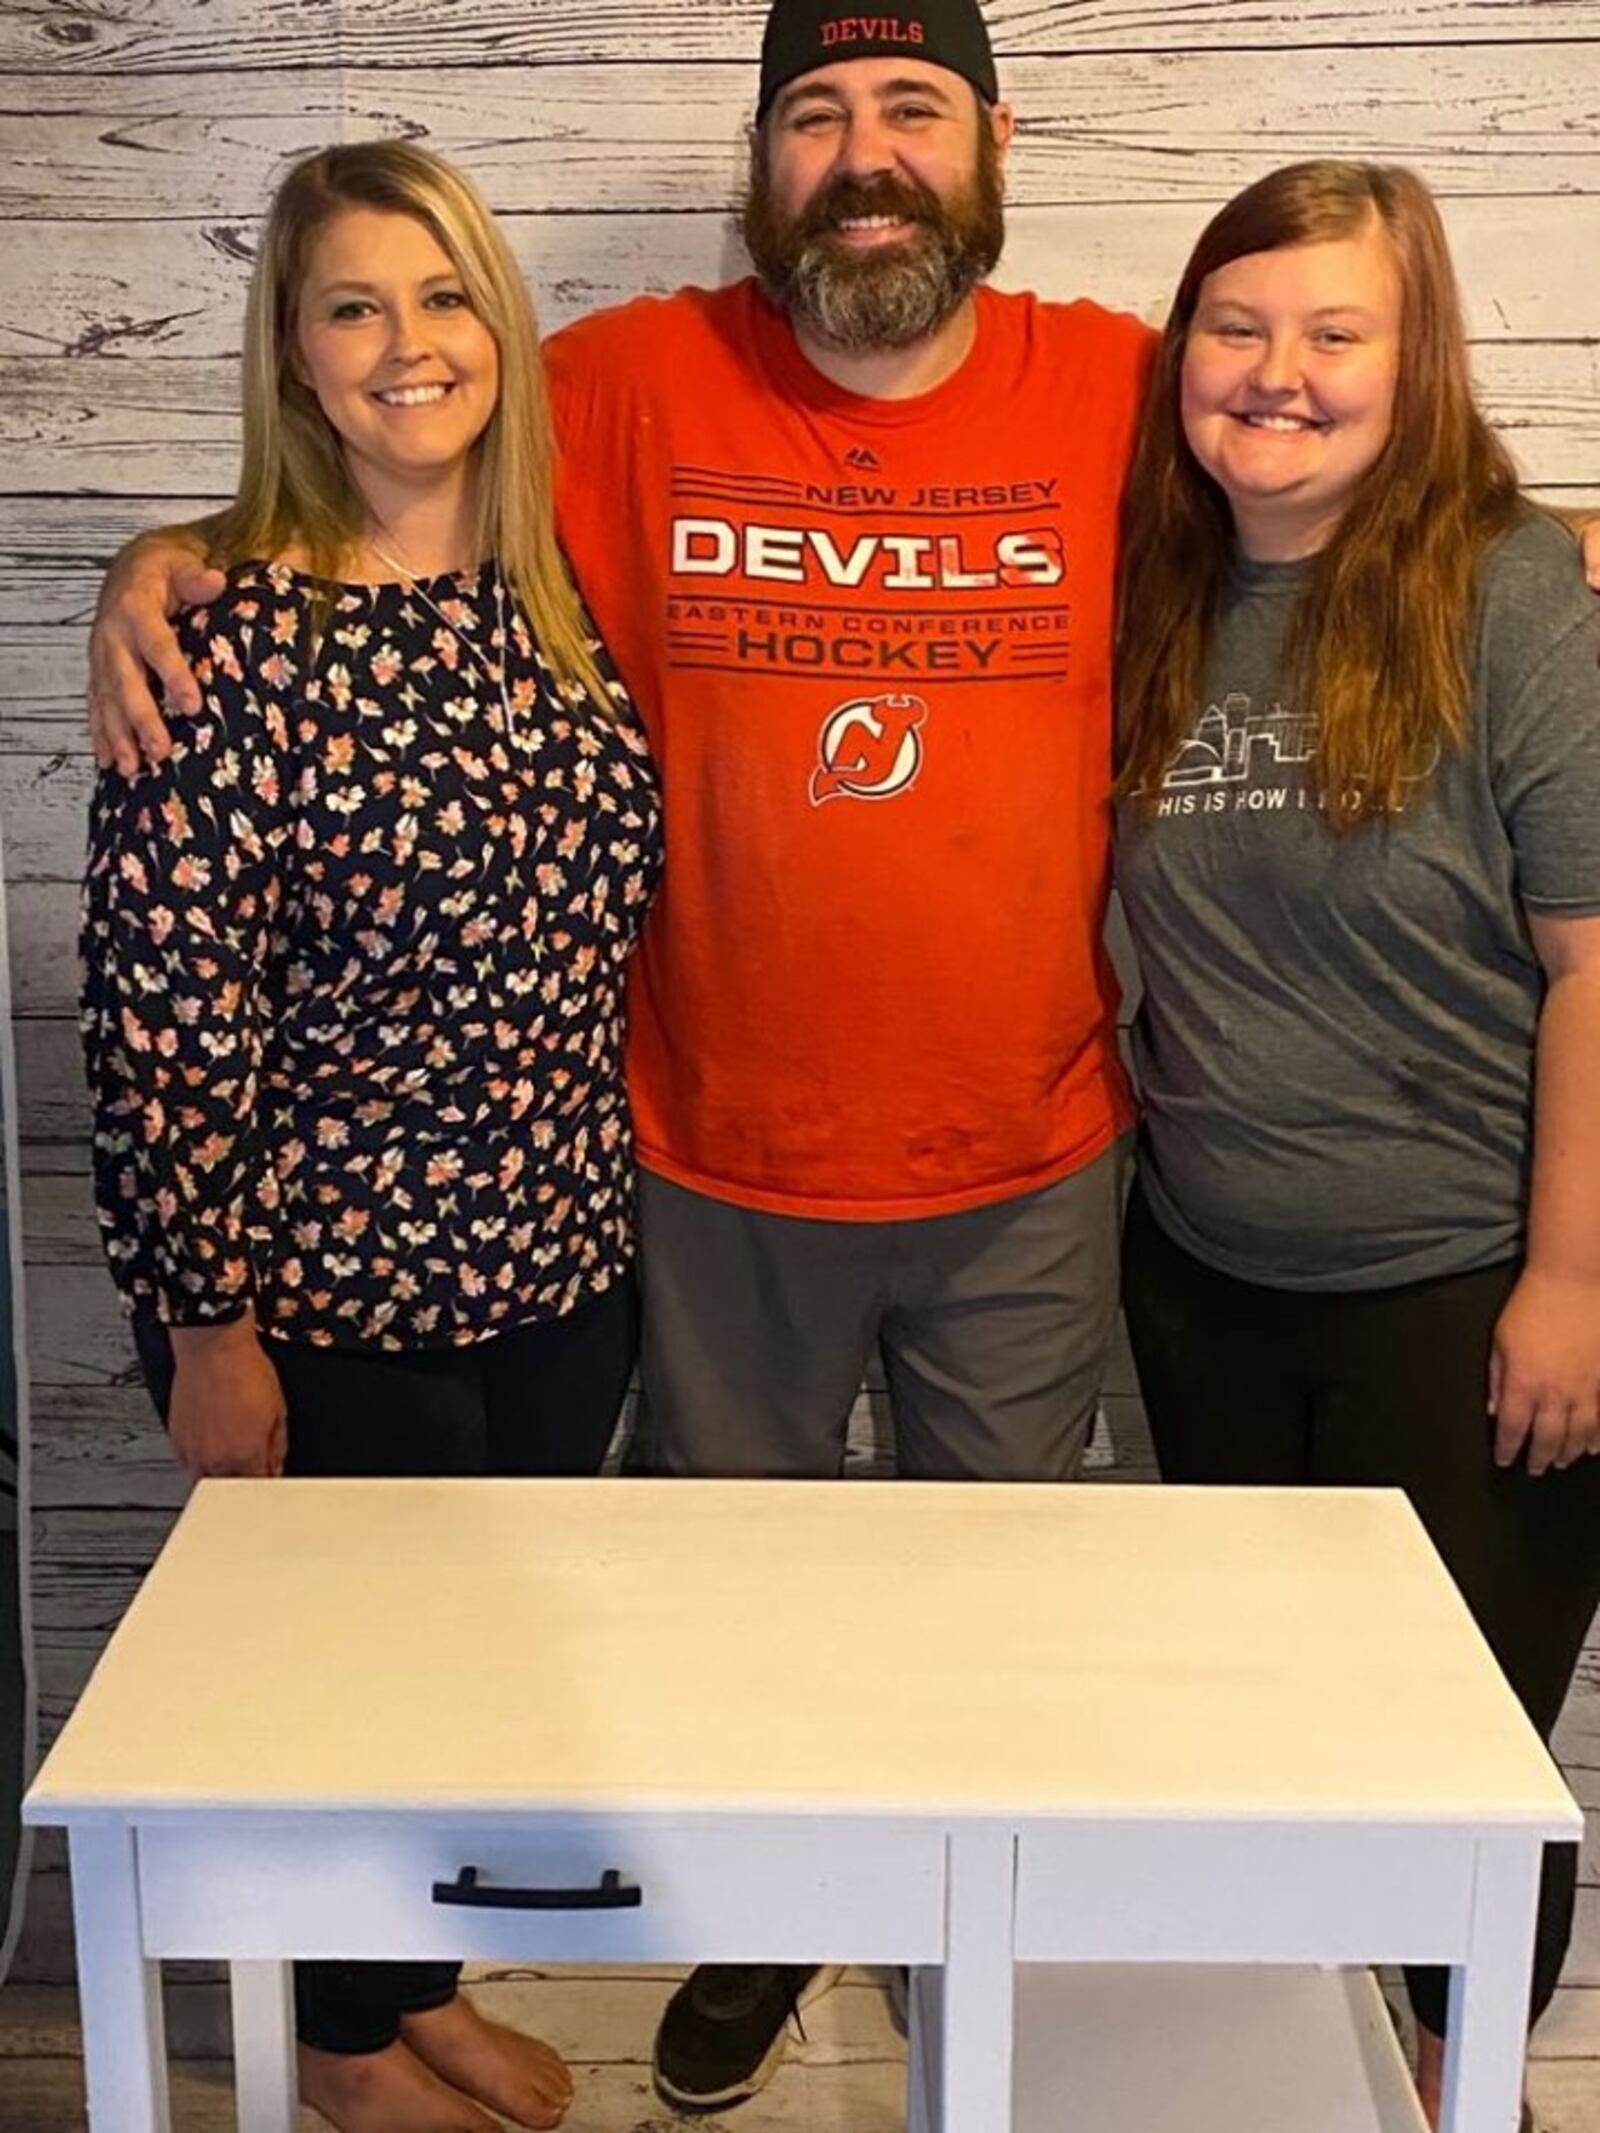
(869, 749)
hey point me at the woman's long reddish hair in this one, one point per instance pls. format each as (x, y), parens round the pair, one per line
(1380, 638)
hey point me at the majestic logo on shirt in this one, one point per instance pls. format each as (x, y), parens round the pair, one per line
(869, 749)
(862, 459)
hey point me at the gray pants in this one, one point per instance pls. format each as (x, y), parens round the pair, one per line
(993, 1327)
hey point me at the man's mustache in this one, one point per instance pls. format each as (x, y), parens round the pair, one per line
(847, 200)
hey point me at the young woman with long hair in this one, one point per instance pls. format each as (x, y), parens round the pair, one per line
(354, 953)
(1359, 748)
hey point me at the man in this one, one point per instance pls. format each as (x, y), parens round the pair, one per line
(863, 599)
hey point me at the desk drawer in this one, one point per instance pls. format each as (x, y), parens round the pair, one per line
(779, 1889)
(1240, 1892)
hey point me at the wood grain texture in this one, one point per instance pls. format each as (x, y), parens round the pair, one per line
(87, 1567)
(1094, 129)
(179, 288)
(54, 547)
(158, 36)
(145, 426)
(43, 677)
(1577, 1738)
(45, 800)
(41, 2022)
(100, 1448)
(41, 927)
(52, 1102)
(77, 1337)
(59, 1228)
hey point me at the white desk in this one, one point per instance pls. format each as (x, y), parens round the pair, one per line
(937, 1725)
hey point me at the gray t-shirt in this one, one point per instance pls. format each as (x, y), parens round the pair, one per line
(1336, 1042)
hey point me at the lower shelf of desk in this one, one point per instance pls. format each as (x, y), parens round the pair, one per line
(1136, 2048)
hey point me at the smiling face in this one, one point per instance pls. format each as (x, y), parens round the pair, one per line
(876, 200)
(403, 368)
(1288, 384)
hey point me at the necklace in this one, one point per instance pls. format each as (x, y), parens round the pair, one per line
(471, 645)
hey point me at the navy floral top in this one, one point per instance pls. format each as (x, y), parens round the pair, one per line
(354, 960)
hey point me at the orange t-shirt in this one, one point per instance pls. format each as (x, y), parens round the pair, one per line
(870, 641)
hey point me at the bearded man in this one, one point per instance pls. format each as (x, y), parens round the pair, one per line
(848, 528)
(863, 600)
(860, 585)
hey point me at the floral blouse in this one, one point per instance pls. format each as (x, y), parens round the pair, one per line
(353, 970)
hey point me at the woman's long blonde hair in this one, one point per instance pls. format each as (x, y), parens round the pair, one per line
(294, 487)
(1379, 643)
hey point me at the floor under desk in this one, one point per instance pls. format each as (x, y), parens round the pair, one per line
(846, 2076)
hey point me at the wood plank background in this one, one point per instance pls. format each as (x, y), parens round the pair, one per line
(138, 141)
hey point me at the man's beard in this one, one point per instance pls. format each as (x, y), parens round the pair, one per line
(889, 295)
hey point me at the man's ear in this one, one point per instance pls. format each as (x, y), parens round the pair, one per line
(1002, 124)
(756, 140)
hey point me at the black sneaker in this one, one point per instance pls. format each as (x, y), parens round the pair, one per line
(723, 2033)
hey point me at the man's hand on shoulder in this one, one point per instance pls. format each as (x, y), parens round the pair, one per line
(132, 638)
(1583, 523)
(1589, 542)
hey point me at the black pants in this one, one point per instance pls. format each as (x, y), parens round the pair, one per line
(540, 1400)
(1381, 1388)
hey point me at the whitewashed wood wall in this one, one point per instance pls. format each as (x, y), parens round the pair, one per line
(138, 141)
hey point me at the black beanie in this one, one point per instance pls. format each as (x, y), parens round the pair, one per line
(802, 35)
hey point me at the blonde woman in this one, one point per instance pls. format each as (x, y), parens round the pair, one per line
(354, 957)
(1360, 776)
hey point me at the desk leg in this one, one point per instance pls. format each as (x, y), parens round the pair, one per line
(119, 1991)
(263, 2047)
(972, 2087)
(924, 2066)
(1487, 2040)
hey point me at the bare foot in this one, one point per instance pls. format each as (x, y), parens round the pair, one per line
(385, 2092)
(519, 2077)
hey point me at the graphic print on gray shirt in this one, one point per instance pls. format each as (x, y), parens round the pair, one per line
(1335, 1046)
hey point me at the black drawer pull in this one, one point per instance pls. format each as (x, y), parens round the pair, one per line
(611, 1893)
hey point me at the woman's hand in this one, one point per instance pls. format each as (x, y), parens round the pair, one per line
(227, 1414)
(148, 583)
(1544, 1374)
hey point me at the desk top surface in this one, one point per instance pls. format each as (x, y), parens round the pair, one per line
(847, 1648)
